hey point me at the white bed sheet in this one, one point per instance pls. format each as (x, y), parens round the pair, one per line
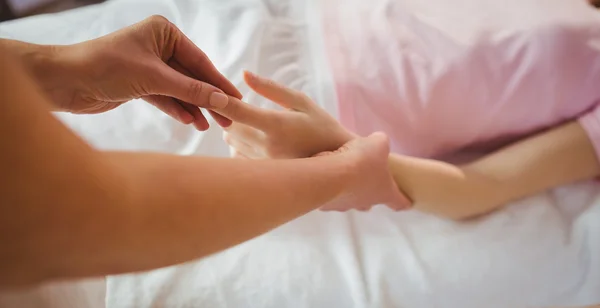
(541, 251)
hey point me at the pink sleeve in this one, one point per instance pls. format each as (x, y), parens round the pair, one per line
(591, 124)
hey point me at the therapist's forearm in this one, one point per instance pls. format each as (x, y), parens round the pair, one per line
(67, 210)
(555, 157)
(209, 204)
(32, 55)
(126, 212)
(49, 65)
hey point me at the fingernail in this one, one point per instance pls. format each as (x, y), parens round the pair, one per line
(218, 100)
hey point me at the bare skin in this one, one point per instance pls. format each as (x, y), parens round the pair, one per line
(70, 211)
(161, 65)
(555, 157)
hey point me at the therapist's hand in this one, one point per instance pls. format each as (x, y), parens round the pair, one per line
(376, 185)
(152, 60)
(302, 130)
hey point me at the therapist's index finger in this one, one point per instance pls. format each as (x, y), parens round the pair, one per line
(241, 112)
(197, 62)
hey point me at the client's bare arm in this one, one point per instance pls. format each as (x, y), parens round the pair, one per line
(559, 156)
(67, 210)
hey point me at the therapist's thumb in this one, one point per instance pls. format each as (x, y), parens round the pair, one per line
(190, 90)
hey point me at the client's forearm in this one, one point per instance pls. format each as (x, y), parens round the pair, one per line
(546, 160)
(444, 189)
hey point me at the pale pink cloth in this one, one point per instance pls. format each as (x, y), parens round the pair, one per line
(417, 71)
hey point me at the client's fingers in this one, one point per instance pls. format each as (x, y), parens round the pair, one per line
(246, 133)
(238, 111)
(285, 97)
(236, 154)
(241, 147)
(221, 120)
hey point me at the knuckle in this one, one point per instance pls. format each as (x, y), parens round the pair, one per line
(157, 20)
(195, 90)
(167, 33)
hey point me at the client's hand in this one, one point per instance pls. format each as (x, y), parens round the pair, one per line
(152, 60)
(303, 130)
(377, 185)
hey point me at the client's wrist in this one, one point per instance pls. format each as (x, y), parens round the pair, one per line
(403, 201)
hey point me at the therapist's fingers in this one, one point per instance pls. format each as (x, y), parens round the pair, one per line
(222, 121)
(169, 82)
(195, 60)
(200, 122)
(170, 107)
(283, 96)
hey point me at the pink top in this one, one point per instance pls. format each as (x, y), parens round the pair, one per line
(421, 75)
